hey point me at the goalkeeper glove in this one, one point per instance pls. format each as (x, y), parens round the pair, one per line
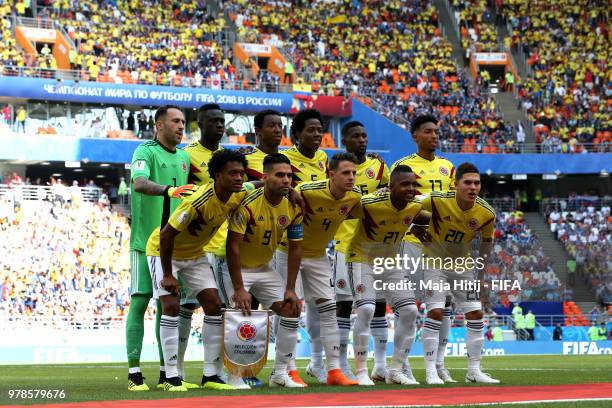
(181, 191)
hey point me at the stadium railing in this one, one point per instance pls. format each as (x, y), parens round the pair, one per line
(502, 204)
(32, 193)
(530, 148)
(574, 203)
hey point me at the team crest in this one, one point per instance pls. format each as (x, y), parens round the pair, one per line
(407, 220)
(360, 288)
(344, 209)
(473, 223)
(246, 331)
(443, 171)
(321, 165)
(282, 220)
(341, 284)
(369, 173)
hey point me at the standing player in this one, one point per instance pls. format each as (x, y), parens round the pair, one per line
(433, 174)
(269, 132)
(372, 174)
(256, 227)
(456, 219)
(159, 173)
(383, 221)
(326, 204)
(211, 122)
(177, 252)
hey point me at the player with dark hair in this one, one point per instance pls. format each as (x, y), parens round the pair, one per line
(177, 252)
(457, 218)
(159, 178)
(326, 203)
(256, 227)
(434, 173)
(383, 221)
(372, 174)
(309, 163)
(269, 131)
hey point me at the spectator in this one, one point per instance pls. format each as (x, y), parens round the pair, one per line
(142, 124)
(530, 323)
(498, 334)
(571, 271)
(558, 332)
(593, 332)
(131, 122)
(602, 332)
(123, 191)
(21, 118)
(519, 322)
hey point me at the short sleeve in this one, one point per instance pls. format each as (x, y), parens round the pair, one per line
(238, 220)
(357, 211)
(426, 202)
(384, 180)
(182, 216)
(141, 163)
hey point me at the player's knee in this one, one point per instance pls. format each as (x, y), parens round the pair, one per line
(170, 305)
(381, 309)
(190, 306)
(285, 309)
(212, 306)
(474, 315)
(365, 312)
(436, 314)
(327, 314)
(408, 314)
(344, 309)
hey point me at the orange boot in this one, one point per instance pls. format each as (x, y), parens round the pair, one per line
(337, 377)
(295, 376)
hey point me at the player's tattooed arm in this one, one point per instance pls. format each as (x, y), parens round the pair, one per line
(148, 187)
(241, 298)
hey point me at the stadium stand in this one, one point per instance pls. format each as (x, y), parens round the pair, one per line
(567, 92)
(476, 25)
(585, 233)
(68, 258)
(519, 256)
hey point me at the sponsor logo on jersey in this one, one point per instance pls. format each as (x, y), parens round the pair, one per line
(344, 209)
(341, 284)
(246, 331)
(443, 171)
(472, 223)
(321, 165)
(369, 173)
(282, 220)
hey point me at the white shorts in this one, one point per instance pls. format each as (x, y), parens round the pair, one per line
(411, 251)
(467, 298)
(367, 286)
(195, 275)
(219, 267)
(280, 265)
(262, 282)
(341, 278)
(316, 277)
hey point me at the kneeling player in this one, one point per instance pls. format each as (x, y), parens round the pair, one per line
(255, 229)
(327, 204)
(383, 221)
(457, 217)
(177, 252)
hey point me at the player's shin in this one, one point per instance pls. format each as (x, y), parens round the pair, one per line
(313, 325)
(431, 340)
(474, 343)
(330, 333)
(286, 340)
(211, 338)
(184, 328)
(168, 328)
(405, 330)
(444, 332)
(361, 332)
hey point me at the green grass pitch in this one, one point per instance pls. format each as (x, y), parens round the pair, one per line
(88, 382)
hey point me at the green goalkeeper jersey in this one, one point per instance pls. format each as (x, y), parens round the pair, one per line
(154, 162)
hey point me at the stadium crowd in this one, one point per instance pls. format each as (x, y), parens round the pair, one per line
(66, 259)
(586, 235)
(567, 92)
(519, 256)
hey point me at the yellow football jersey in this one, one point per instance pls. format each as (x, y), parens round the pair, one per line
(198, 174)
(372, 174)
(263, 225)
(453, 229)
(323, 215)
(306, 169)
(199, 156)
(197, 218)
(255, 160)
(432, 175)
(380, 227)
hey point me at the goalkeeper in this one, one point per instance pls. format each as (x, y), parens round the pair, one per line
(159, 179)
